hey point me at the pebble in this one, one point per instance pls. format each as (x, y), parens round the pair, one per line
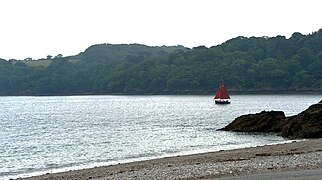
(232, 168)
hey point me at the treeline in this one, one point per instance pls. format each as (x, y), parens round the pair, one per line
(255, 64)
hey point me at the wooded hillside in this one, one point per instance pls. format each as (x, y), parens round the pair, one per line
(255, 64)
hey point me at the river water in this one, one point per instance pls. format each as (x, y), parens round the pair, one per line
(59, 133)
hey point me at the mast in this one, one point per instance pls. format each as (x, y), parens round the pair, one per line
(222, 92)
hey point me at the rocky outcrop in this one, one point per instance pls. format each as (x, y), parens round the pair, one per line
(265, 121)
(307, 124)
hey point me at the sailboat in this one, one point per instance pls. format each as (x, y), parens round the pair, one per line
(222, 96)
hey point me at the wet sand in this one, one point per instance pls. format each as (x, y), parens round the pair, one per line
(295, 156)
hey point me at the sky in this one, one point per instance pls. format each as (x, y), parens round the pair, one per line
(37, 28)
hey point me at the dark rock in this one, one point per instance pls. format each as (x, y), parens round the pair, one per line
(307, 124)
(265, 121)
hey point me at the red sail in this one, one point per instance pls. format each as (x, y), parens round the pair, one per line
(222, 93)
(218, 94)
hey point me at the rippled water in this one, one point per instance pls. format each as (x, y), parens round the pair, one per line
(56, 133)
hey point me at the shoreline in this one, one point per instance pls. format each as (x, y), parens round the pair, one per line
(183, 93)
(297, 155)
(138, 159)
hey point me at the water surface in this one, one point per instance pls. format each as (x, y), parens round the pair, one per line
(56, 133)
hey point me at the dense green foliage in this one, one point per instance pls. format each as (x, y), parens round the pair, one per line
(254, 64)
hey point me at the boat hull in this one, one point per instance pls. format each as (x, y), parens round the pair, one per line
(222, 102)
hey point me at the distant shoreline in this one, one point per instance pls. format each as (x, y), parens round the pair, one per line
(298, 155)
(187, 93)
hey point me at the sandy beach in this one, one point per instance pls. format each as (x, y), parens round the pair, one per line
(294, 156)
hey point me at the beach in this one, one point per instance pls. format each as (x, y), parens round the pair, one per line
(293, 156)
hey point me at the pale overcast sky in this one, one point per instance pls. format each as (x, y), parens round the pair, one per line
(37, 28)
